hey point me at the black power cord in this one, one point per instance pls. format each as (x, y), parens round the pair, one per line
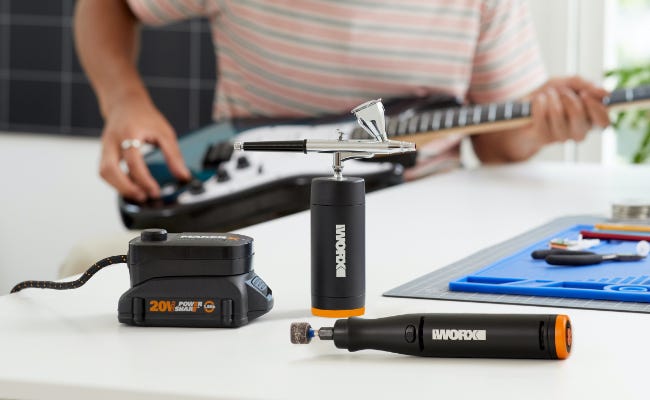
(105, 262)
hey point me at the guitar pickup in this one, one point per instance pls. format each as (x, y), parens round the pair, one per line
(216, 154)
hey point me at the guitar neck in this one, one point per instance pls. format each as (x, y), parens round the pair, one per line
(421, 127)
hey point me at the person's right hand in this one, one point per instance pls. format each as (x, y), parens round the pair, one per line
(138, 119)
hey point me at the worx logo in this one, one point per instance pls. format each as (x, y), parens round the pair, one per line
(340, 251)
(204, 237)
(458, 334)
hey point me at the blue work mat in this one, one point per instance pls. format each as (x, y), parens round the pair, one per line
(520, 274)
(435, 284)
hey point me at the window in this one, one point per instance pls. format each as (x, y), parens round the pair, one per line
(627, 53)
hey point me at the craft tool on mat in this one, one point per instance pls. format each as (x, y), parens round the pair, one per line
(544, 336)
(578, 258)
(623, 227)
(609, 235)
(573, 244)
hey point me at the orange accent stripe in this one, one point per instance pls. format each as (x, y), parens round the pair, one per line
(563, 336)
(355, 312)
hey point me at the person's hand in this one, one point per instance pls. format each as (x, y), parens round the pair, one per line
(137, 121)
(562, 109)
(567, 108)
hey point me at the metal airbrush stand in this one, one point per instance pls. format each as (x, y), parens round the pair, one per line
(338, 276)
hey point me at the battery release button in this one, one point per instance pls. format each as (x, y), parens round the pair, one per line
(409, 334)
(259, 284)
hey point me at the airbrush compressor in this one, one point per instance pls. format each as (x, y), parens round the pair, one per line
(338, 213)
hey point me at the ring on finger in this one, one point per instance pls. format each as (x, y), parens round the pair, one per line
(131, 143)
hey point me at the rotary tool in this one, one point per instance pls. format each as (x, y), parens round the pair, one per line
(543, 336)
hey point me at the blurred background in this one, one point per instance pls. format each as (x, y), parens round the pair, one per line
(44, 89)
(52, 196)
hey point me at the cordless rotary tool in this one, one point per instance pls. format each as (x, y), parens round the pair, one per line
(544, 336)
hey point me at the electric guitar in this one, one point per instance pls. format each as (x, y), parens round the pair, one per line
(230, 191)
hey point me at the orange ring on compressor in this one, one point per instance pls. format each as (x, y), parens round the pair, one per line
(563, 336)
(355, 312)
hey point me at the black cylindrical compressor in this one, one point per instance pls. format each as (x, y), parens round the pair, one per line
(338, 259)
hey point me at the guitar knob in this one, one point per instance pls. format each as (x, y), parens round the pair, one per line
(222, 175)
(216, 154)
(242, 162)
(196, 187)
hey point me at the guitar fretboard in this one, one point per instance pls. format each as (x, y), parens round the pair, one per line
(449, 118)
(407, 124)
(629, 95)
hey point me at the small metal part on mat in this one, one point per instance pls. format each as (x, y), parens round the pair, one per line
(632, 210)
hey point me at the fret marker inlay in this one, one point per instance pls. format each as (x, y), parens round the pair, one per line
(508, 110)
(492, 112)
(436, 120)
(424, 121)
(462, 117)
(477, 115)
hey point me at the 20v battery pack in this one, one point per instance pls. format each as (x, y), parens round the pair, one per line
(192, 280)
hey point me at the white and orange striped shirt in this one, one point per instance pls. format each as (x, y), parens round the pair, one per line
(314, 57)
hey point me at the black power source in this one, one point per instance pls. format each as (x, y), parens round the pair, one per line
(192, 280)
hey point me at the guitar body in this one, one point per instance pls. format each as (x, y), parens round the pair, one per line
(230, 191)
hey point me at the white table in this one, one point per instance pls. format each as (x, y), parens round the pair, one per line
(70, 345)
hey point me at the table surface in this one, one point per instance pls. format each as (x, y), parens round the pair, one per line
(69, 344)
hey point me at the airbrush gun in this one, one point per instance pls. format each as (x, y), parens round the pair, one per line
(338, 277)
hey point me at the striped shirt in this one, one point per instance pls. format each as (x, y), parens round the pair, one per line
(314, 57)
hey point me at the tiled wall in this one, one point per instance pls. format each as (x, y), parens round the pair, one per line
(43, 88)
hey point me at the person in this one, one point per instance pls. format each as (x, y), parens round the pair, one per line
(314, 57)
